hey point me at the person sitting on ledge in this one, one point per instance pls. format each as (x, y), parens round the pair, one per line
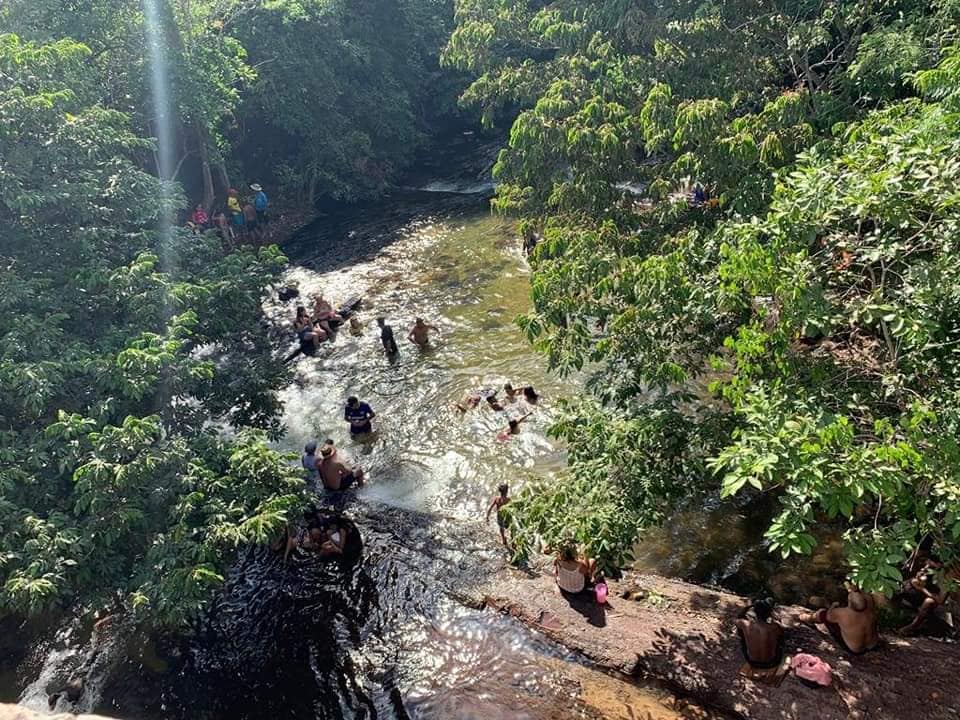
(761, 637)
(572, 570)
(853, 627)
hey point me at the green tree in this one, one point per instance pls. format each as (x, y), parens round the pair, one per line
(120, 346)
(717, 337)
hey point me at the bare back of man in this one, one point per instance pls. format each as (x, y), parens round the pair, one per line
(338, 473)
(761, 642)
(854, 626)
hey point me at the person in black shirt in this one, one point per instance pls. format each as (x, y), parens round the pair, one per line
(386, 337)
(359, 415)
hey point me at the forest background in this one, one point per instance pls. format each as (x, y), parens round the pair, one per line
(796, 335)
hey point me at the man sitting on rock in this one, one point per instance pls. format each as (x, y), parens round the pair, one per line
(853, 627)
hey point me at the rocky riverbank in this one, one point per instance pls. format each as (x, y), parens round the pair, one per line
(682, 635)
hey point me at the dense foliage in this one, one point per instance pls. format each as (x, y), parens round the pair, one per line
(312, 98)
(137, 383)
(120, 345)
(798, 333)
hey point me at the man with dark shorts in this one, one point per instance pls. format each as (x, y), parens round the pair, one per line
(359, 415)
(386, 337)
(336, 470)
(853, 627)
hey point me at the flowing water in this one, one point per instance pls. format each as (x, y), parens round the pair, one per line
(388, 634)
(384, 633)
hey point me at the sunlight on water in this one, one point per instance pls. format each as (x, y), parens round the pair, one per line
(465, 275)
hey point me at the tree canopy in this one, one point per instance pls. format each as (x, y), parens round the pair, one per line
(793, 331)
(139, 387)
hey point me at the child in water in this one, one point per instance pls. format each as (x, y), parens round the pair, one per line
(513, 428)
(499, 500)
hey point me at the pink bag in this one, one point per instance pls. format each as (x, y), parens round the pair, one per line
(601, 592)
(812, 669)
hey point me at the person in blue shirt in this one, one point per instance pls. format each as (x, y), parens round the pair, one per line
(359, 415)
(260, 203)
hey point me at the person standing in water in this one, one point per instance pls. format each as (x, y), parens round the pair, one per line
(498, 502)
(386, 337)
(337, 471)
(358, 414)
(420, 333)
(309, 461)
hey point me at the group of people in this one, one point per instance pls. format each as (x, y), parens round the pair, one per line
(318, 326)
(243, 216)
(853, 626)
(511, 395)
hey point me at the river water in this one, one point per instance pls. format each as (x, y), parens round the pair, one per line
(392, 631)
(387, 635)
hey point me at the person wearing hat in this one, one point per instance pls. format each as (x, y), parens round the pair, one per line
(309, 461)
(337, 471)
(260, 203)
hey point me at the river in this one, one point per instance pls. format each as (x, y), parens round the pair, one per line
(388, 634)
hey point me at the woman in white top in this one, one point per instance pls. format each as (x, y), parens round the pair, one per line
(573, 571)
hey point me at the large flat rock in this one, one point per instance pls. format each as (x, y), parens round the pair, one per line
(16, 712)
(684, 636)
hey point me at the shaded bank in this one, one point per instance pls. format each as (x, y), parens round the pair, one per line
(683, 635)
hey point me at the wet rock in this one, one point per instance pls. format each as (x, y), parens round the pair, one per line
(73, 689)
(288, 293)
(17, 712)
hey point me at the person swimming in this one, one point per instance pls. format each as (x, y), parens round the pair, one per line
(494, 403)
(513, 428)
(530, 395)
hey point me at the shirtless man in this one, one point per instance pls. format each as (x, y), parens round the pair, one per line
(925, 592)
(337, 472)
(420, 333)
(761, 637)
(854, 627)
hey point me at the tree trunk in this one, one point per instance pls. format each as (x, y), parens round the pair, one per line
(207, 175)
(223, 176)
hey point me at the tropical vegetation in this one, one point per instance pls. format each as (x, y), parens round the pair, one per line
(138, 384)
(794, 332)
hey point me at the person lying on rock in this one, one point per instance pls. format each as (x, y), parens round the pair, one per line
(761, 637)
(573, 570)
(854, 627)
